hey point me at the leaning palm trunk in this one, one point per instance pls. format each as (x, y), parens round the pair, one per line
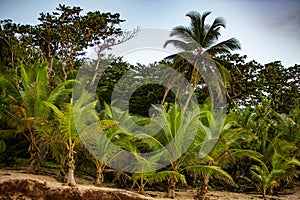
(191, 92)
(165, 95)
(71, 167)
(192, 89)
(179, 90)
(173, 80)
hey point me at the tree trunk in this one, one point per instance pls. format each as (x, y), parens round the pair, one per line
(178, 92)
(34, 162)
(71, 167)
(96, 71)
(171, 189)
(191, 92)
(71, 180)
(63, 67)
(51, 73)
(62, 175)
(264, 193)
(203, 188)
(142, 189)
(43, 150)
(194, 82)
(165, 95)
(99, 177)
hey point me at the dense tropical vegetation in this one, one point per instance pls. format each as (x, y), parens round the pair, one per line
(259, 137)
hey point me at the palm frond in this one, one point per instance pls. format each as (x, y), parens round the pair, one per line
(182, 32)
(166, 175)
(224, 47)
(181, 45)
(212, 32)
(214, 171)
(60, 90)
(8, 87)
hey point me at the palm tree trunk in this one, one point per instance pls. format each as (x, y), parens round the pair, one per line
(194, 81)
(191, 92)
(171, 189)
(34, 152)
(71, 167)
(71, 180)
(165, 95)
(99, 177)
(142, 189)
(264, 191)
(178, 92)
(62, 175)
(142, 186)
(34, 161)
(33, 149)
(203, 187)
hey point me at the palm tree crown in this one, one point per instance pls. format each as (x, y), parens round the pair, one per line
(200, 47)
(205, 35)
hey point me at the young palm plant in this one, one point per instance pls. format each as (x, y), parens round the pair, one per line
(147, 176)
(225, 151)
(271, 132)
(108, 142)
(175, 134)
(67, 134)
(266, 180)
(23, 108)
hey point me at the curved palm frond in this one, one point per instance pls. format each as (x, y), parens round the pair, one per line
(166, 175)
(211, 171)
(224, 47)
(212, 32)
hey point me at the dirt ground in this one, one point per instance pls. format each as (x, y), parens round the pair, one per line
(17, 184)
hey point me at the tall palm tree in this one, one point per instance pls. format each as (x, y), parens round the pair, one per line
(199, 42)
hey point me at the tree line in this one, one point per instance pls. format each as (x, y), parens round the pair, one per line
(258, 145)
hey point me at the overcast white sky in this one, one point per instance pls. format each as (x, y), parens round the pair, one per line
(269, 30)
